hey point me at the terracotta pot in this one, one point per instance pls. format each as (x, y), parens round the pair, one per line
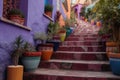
(111, 44)
(15, 72)
(15, 18)
(46, 54)
(32, 54)
(113, 55)
(22, 20)
(98, 24)
(49, 13)
(47, 50)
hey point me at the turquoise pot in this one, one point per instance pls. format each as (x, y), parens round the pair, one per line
(115, 65)
(68, 31)
(30, 63)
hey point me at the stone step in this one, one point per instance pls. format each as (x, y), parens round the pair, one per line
(84, 35)
(86, 43)
(48, 74)
(76, 65)
(81, 38)
(68, 55)
(82, 48)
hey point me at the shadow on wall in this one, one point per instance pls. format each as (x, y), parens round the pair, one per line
(40, 26)
(5, 59)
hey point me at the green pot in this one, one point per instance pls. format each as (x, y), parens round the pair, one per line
(30, 63)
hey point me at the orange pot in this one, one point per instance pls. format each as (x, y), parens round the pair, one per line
(98, 24)
(15, 18)
(48, 13)
(15, 72)
(113, 55)
(46, 54)
(47, 50)
(110, 46)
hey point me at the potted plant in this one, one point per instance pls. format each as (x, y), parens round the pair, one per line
(109, 12)
(15, 71)
(105, 33)
(40, 38)
(45, 48)
(52, 31)
(68, 25)
(16, 15)
(48, 10)
(62, 34)
(30, 58)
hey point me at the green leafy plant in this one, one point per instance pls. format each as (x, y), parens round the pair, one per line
(40, 36)
(52, 29)
(82, 13)
(48, 8)
(20, 46)
(18, 49)
(109, 12)
(16, 12)
(28, 47)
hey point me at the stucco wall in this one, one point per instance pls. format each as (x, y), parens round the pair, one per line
(65, 14)
(1, 7)
(8, 33)
(34, 19)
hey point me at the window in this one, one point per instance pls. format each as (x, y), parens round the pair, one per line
(12, 11)
(48, 8)
(8, 5)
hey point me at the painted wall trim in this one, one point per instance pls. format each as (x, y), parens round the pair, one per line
(14, 23)
(49, 18)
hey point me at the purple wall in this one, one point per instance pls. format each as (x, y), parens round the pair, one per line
(78, 7)
(62, 11)
(79, 10)
(34, 19)
(1, 7)
(8, 33)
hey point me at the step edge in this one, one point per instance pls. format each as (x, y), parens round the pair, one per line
(77, 61)
(72, 52)
(39, 71)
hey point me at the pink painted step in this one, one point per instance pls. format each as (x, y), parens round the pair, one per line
(81, 39)
(82, 48)
(85, 43)
(85, 35)
(68, 55)
(48, 74)
(76, 65)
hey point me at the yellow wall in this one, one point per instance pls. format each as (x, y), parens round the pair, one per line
(61, 21)
(69, 9)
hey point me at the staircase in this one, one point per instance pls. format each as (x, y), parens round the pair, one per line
(80, 57)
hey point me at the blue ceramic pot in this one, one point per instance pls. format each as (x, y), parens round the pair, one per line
(56, 44)
(115, 65)
(30, 63)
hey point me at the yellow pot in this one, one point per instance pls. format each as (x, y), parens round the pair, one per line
(62, 36)
(15, 72)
